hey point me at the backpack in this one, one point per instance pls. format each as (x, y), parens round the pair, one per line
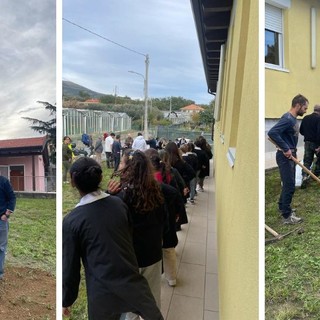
(85, 139)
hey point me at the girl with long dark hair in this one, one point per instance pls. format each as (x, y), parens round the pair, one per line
(148, 215)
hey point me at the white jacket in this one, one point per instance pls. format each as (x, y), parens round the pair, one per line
(139, 143)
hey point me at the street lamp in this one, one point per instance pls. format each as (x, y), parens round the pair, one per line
(145, 90)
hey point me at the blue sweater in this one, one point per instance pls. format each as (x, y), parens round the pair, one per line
(7, 196)
(285, 132)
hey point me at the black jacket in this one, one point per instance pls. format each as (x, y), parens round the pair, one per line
(310, 128)
(147, 230)
(203, 162)
(174, 204)
(98, 234)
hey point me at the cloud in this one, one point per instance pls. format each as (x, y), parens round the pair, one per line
(28, 69)
(164, 30)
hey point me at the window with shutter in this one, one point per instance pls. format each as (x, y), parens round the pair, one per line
(274, 35)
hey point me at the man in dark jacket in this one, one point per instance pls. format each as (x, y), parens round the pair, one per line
(285, 135)
(310, 129)
(7, 205)
(116, 152)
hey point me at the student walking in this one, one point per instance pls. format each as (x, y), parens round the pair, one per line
(148, 214)
(174, 203)
(192, 159)
(97, 232)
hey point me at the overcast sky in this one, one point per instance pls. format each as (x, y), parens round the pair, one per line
(27, 64)
(165, 30)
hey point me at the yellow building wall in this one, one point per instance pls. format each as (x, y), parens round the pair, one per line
(237, 188)
(282, 86)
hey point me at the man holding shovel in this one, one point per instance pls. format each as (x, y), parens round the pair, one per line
(285, 135)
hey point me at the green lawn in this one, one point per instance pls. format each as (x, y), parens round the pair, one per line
(32, 234)
(292, 265)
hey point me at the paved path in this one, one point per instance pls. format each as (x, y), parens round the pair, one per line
(196, 295)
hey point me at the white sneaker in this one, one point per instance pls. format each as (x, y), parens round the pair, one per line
(292, 219)
(172, 283)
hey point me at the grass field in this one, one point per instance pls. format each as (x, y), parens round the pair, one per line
(292, 265)
(32, 234)
(70, 199)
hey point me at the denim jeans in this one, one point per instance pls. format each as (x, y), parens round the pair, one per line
(4, 229)
(193, 184)
(309, 153)
(66, 167)
(109, 159)
(116, 159)
(288, 179)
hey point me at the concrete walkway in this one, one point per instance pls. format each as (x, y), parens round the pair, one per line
(195, 296)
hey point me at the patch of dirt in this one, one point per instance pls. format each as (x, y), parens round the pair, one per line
(27, 294)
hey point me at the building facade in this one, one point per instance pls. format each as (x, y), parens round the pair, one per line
(292, 60)
(229, 46)
(25, 162)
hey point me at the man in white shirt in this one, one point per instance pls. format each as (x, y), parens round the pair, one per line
(139, 143)
(108, 149)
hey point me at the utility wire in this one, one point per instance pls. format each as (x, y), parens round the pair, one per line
(104, 38)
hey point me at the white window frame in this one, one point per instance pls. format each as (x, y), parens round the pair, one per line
(274, 23)
(4, 168)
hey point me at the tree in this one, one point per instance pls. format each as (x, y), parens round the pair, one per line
(206, 117)
(84, 95)
(46, 127)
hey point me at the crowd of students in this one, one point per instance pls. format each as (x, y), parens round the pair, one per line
(126, 235)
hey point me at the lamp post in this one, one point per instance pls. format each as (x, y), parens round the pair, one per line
(145, 90)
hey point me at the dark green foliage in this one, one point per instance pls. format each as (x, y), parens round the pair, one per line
(46, 127)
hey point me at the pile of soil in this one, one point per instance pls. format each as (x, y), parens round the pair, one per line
(27, 294)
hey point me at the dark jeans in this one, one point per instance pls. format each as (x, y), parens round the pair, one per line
(287, 170)
(66, 167)
(116, 159)
(109, 159)
(309, 153)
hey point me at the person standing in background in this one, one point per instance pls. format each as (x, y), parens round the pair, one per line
(116, 152)
(7, 206)
(66, 157)
(139, 143)
(152, 142)
(98, 148)
(310, 129)
(108, 149)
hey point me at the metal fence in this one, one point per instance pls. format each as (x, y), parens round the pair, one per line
(78, 121)
(174, 132)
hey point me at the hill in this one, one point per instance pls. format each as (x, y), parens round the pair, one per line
(71, 89)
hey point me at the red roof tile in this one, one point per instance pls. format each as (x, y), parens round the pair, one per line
(92, 101)
(192, 107)
(23, 142)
